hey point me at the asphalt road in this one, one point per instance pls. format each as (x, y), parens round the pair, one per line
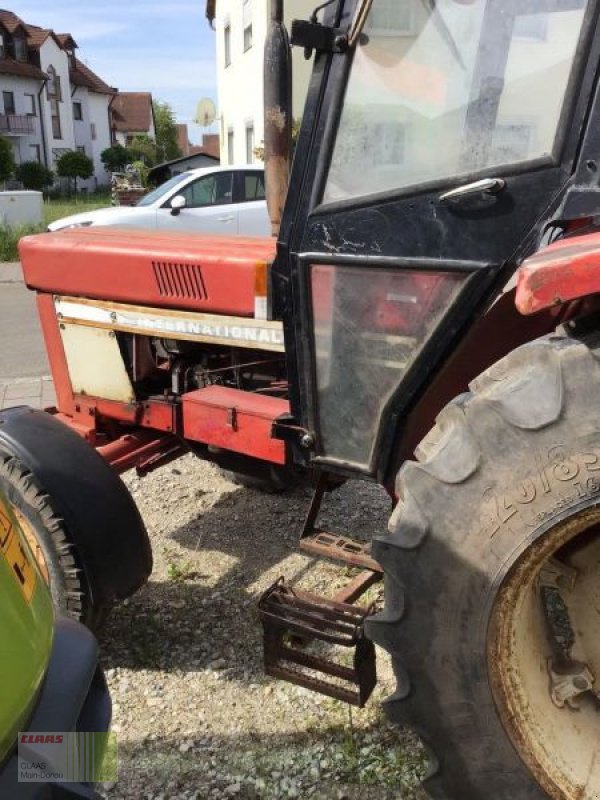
(22, 353)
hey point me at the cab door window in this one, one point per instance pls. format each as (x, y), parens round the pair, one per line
(449, 88)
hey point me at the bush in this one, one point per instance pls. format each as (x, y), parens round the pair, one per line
(34, 175)
(7, 159)
(116, 158)
(73, 165)
(9, 239)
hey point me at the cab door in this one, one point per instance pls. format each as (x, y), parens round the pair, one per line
(432, 152)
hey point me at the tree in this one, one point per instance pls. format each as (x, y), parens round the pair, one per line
(116, 158)
(34, 175)
(73, 165)
(166, 132)
(143, 148)
(7, 159)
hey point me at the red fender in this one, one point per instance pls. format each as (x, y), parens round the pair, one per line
(565, 271)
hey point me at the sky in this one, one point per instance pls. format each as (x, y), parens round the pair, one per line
(162, 46)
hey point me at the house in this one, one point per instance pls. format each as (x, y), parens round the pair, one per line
(50, 101)
(132, 115)
(241, 29)
(204, 155)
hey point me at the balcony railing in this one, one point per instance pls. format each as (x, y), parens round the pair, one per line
(16, 124)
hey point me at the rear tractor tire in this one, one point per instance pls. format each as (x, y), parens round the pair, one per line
(492, 582)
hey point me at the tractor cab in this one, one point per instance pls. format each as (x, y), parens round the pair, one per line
(438, 145)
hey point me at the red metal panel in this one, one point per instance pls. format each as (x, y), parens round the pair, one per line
(564, 271)
(56, 354)
(170, 270)
(235, 420)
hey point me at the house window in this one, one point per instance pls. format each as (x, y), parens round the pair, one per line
(391, 18)
(30, 105)
(533, 27)
(8, 99)
(2, 46)
(250, 144)
(77, 111)
(247, 20)
(36, 152)
(230, 150)
(81, 148)
(93, 132)
(53, 86)
(227, 37)
(20, 48)
(55, 113)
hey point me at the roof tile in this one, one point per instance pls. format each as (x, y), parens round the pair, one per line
(132, 112)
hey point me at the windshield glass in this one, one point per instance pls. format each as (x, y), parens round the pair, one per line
(443, 88)
(163, 189)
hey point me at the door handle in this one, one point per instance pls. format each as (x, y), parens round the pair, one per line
(485, 186)
(224, 219)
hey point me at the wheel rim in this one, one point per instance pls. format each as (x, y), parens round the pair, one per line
(28, 532)
(544, 657)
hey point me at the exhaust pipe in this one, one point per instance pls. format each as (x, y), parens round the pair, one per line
(278, 114)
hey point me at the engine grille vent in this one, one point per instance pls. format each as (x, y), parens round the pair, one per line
(179, 280)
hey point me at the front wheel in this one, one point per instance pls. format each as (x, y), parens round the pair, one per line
(49, 540)
(492, 571)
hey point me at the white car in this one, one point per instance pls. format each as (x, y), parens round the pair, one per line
(227, 200)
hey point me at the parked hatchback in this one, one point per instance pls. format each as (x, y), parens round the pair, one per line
(227, 200)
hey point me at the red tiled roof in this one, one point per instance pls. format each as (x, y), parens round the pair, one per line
(10, 21)
(210, 146)
(132, 112)
(183, 138)
(23, 69)
(81, 75)
(66, 41)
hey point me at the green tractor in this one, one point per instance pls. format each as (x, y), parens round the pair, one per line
(50, 681)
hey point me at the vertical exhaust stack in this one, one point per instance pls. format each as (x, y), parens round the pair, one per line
(278, 114)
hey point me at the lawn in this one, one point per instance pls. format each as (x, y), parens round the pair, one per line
(53, 210)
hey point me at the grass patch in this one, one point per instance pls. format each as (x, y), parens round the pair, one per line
(53, 209)
(64, 207)
(9, 239)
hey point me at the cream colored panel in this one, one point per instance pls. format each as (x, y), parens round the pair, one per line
(95, 363)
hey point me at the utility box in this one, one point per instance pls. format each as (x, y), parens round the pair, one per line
(21, 208)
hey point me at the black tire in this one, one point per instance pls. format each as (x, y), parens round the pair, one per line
(277, 480)
(497, 471)
(69, 589)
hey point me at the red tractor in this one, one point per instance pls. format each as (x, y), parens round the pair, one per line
(427, 318)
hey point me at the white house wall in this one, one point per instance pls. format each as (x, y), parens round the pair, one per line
(75, 133)
(52, 55)
(240, 85)
(98, 105)
(23, 145)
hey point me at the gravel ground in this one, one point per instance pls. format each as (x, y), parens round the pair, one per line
(194, 713)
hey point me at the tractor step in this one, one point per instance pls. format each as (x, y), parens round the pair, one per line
(332, 545)
(293, 619)
(339, 548)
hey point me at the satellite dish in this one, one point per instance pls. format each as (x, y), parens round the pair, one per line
(205, 112)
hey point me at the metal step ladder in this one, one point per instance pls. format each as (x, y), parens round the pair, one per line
(300, 629)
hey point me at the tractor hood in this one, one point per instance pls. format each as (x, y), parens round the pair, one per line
(211, 274)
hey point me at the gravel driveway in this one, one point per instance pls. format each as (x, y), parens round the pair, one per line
(195, 716)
